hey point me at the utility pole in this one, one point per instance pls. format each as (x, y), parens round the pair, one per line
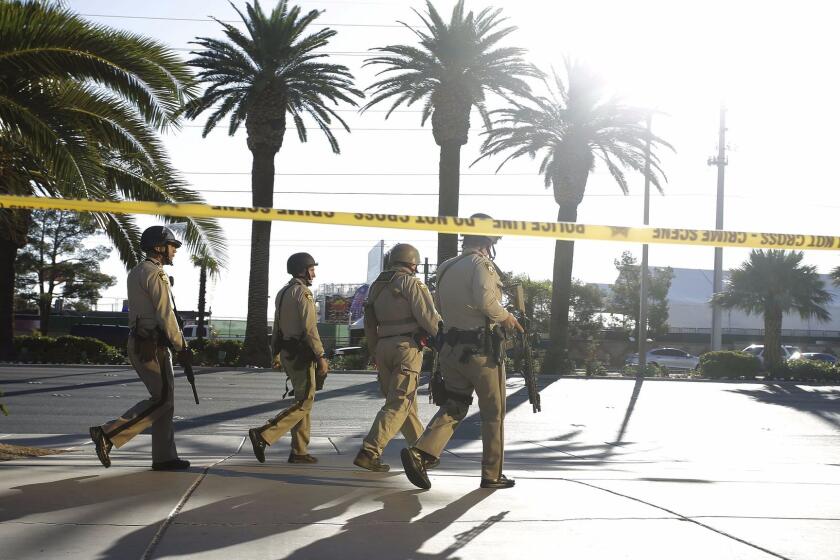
(717, 284)
(643, 278)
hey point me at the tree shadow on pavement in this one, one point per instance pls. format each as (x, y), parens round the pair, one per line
(363, 536)
(825, 405)
(260, 512)
(70, 493)
(270, 408)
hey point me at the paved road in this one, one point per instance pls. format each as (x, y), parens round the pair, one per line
(609, 469)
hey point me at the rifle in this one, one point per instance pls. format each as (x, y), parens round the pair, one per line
(186, 356)
(437, 388)
(522, 344)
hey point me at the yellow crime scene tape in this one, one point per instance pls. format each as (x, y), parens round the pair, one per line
(553, 230)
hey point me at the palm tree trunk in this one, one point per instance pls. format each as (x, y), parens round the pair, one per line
(255, 351)
(12, 238)
(449, 185)
(8, 253)
(556, 358)
(44, 303)
(772, 338)
(202, 300)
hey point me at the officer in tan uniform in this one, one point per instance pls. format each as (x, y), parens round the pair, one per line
(469, 293)
(399, 316)
(295, 338)
(154, 331)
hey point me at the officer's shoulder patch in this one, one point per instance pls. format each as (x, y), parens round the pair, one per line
(490, 268)
(163, 276)
(308, 296)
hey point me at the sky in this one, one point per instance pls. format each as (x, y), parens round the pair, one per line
(772, 63)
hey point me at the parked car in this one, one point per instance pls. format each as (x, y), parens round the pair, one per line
(348, 351)
(819, 356)
(671, 358)
(787, 352)
(191, 332)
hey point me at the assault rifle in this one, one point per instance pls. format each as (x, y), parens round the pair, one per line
(522, 344)
(185, 357)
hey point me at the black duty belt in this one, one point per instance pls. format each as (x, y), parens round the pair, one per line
(457, 336)
(407, 335)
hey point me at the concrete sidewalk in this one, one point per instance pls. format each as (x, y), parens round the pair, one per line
(573, 499)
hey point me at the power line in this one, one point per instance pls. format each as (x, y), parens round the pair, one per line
(208, 20)
(414, 193)
(379, 174)
(352, 129)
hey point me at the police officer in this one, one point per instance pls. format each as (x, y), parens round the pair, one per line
(400, 317)
(295, 338)
(154, 330)
(469, 299)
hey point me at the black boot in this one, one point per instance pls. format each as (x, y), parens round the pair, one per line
(412, 462)
(500, 483)
(258, 443)
(103, 446)
(367, 461)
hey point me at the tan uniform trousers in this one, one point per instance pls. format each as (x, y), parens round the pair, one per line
(399, 360)
(156, 411)
(296, 418)
(488, 380)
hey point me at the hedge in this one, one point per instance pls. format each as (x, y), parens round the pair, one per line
(727, 364)
(65, 350)
(806, 370)
(651, 370)
(216, 352)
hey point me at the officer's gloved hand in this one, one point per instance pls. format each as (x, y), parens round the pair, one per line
(321, 373)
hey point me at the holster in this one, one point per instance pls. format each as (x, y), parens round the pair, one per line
(146, 343)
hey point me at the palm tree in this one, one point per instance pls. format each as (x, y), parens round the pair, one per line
(80, 105)
(261, 77)
(573, 127)
(208, 266)
(772, 283)
(452, 70)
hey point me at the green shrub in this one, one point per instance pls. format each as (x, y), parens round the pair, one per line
(651, 370)
(357, 361)
(216, 352)
(732, 365)
(66, 350)
(807, 370)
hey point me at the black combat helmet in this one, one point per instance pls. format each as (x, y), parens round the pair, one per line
(299, 262)
(157, 235)
(403, 253)
(481, 238)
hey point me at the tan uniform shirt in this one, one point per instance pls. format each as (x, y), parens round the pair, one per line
(402, 304)
(150, 303)
(296, 317)
(469, 292)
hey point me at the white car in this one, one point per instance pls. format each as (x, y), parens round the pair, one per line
(787, 352)
(671, 358)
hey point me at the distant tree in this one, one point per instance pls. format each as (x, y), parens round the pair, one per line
(577, 124)
(625, 300)
(537, 301)
(586, 306)
(208, 267)
(267, 76)
(772, 283)
(80, 108)
(56, 262)
(451, 70)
